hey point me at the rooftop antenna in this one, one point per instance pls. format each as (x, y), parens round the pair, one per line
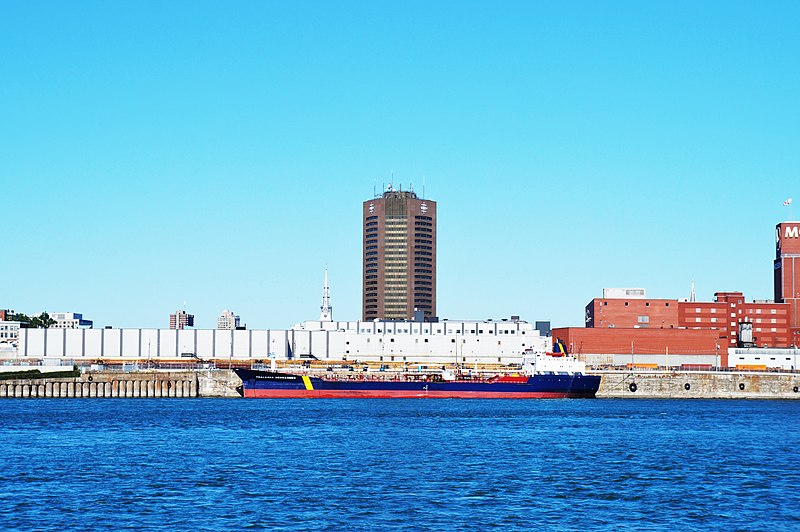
(692, 297)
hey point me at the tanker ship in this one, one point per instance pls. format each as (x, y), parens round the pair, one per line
(543, 375)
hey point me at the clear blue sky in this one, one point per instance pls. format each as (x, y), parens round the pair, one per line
(218, 153)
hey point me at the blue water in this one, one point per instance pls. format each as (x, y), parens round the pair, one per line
(417, 464)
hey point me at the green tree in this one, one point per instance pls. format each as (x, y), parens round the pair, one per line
(48, 321)
(45, 321)
(24, 320)
(42, 321)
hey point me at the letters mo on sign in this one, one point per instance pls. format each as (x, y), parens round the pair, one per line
(789, 231)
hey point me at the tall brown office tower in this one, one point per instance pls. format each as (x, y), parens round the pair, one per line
(399, 257)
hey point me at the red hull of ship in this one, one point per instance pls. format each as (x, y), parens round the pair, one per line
(401, 394)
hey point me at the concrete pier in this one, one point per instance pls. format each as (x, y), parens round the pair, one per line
(106, 385)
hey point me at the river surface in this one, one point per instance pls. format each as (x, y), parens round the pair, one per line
(227, 464)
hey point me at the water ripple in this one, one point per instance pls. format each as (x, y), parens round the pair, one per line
(395, 464)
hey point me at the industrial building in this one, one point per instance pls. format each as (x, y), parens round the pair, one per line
(399, 261)
(643, 346)
(625, 325)
(783, 359)
(463, 342)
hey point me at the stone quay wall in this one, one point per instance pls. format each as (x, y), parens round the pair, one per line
(698, 385)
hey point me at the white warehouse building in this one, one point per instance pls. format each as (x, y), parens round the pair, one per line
(465, 342)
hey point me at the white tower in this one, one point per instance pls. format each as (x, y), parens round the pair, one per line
(326, 311)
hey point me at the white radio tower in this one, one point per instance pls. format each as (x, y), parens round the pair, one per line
(326, 310)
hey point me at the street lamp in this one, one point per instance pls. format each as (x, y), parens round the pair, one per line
(455, 352)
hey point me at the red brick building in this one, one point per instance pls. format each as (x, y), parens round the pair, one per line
(642, 341)
(632, 313)
(728, 321)
(770, 320)
(723, 317)
(787, 274)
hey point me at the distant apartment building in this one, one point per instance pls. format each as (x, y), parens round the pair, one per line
(228, 321)
(181, 320)
(9, 335)
(399, 261)
(5, 314)
(69, 320)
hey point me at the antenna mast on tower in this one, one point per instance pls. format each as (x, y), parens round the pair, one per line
(326, 310)
(692, 295)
